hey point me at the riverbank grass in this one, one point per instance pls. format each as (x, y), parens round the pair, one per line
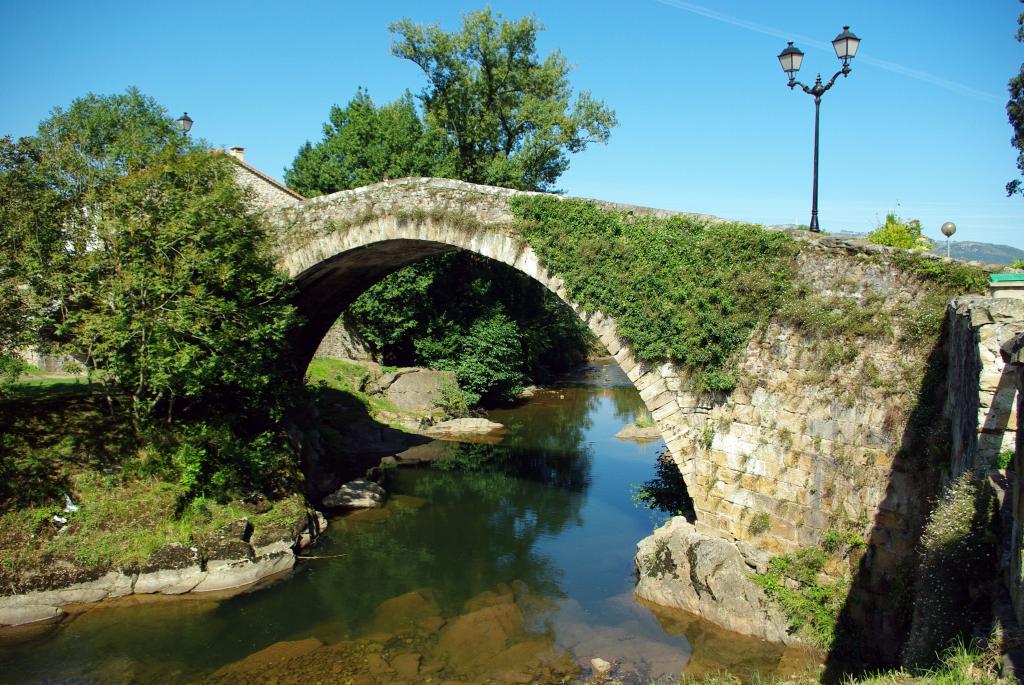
(118, 524)
(351, 377)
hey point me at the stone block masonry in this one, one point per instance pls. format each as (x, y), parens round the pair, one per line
(981, 403)
(805, 439)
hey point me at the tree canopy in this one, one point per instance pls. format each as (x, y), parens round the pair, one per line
(493, 112)
(1015, 113)
(132, 249)
(363, 144)
(509, 116)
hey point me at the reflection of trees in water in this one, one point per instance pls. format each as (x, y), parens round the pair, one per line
(552, 425)
(627, 403)
(487, 507)
(484, 515)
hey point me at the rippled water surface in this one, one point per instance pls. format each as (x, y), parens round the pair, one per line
(535, 535)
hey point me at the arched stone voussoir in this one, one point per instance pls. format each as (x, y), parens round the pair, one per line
(336, 246)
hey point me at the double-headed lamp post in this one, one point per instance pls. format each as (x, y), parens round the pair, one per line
(845, 45)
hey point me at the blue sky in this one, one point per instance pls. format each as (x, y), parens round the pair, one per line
(706, 121)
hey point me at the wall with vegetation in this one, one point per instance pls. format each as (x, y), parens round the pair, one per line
(783, 370)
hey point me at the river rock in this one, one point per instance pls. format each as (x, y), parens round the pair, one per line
(404, 610)
(224, 574)
(412, 389)
(356, 494)
(463, 427)
(258, 663)
(171, 570)
(635, 432)
(42, 605)
(679, 567)
(476, 638)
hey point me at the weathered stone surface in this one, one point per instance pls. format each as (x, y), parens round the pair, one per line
(356, 494)
(412, 389)
(982, 387)
(256, 663)
(474, 639)
(679, 567)
(469, 426)
(757, 559)
(223, 574)
(404, 610)
(170, 582)
(635, 432)
(35, 606)
(343, 342)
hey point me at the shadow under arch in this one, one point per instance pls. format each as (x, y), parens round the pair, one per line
(331, 270)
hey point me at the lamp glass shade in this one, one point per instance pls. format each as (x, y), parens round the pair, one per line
(948, 228)
(846, 44)
(791, 58)
(184, 123)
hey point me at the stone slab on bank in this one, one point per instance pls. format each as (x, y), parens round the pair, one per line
(183, 571)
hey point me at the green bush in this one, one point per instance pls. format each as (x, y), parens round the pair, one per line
(495, 328)
(760, 523)
(898, 233)
(811, 605)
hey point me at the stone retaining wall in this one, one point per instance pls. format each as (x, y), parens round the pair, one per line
(982, 386)
(342, 342)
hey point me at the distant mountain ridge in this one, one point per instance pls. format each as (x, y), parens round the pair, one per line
(989, 253)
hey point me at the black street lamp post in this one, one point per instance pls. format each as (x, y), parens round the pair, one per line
(845, 45)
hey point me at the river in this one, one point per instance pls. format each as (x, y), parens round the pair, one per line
(535, 534)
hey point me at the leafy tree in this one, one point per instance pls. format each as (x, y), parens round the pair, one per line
(1015, 112)
(493, 112)
(898, 233)
(133, 249)
(49, 186)
(186, 301)
(495, 328)
(363, 143)
(509, 117)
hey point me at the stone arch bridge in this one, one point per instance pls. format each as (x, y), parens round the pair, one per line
(792, 447)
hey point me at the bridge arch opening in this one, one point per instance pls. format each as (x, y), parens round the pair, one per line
(333, 270)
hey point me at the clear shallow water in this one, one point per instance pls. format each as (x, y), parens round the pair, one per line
(547, 512)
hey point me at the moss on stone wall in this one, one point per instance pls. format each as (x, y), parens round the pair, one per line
(680, 288)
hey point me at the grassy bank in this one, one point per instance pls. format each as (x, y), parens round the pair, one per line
(61, 439)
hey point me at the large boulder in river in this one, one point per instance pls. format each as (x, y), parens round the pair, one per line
(413, 389)
(356, 494)
(679, 567)
(459, 427)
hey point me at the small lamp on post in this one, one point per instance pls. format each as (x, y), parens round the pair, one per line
(791, 58)
(184, 123)
(948, 229)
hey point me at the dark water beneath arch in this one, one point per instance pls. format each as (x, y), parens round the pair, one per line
(547, 515)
